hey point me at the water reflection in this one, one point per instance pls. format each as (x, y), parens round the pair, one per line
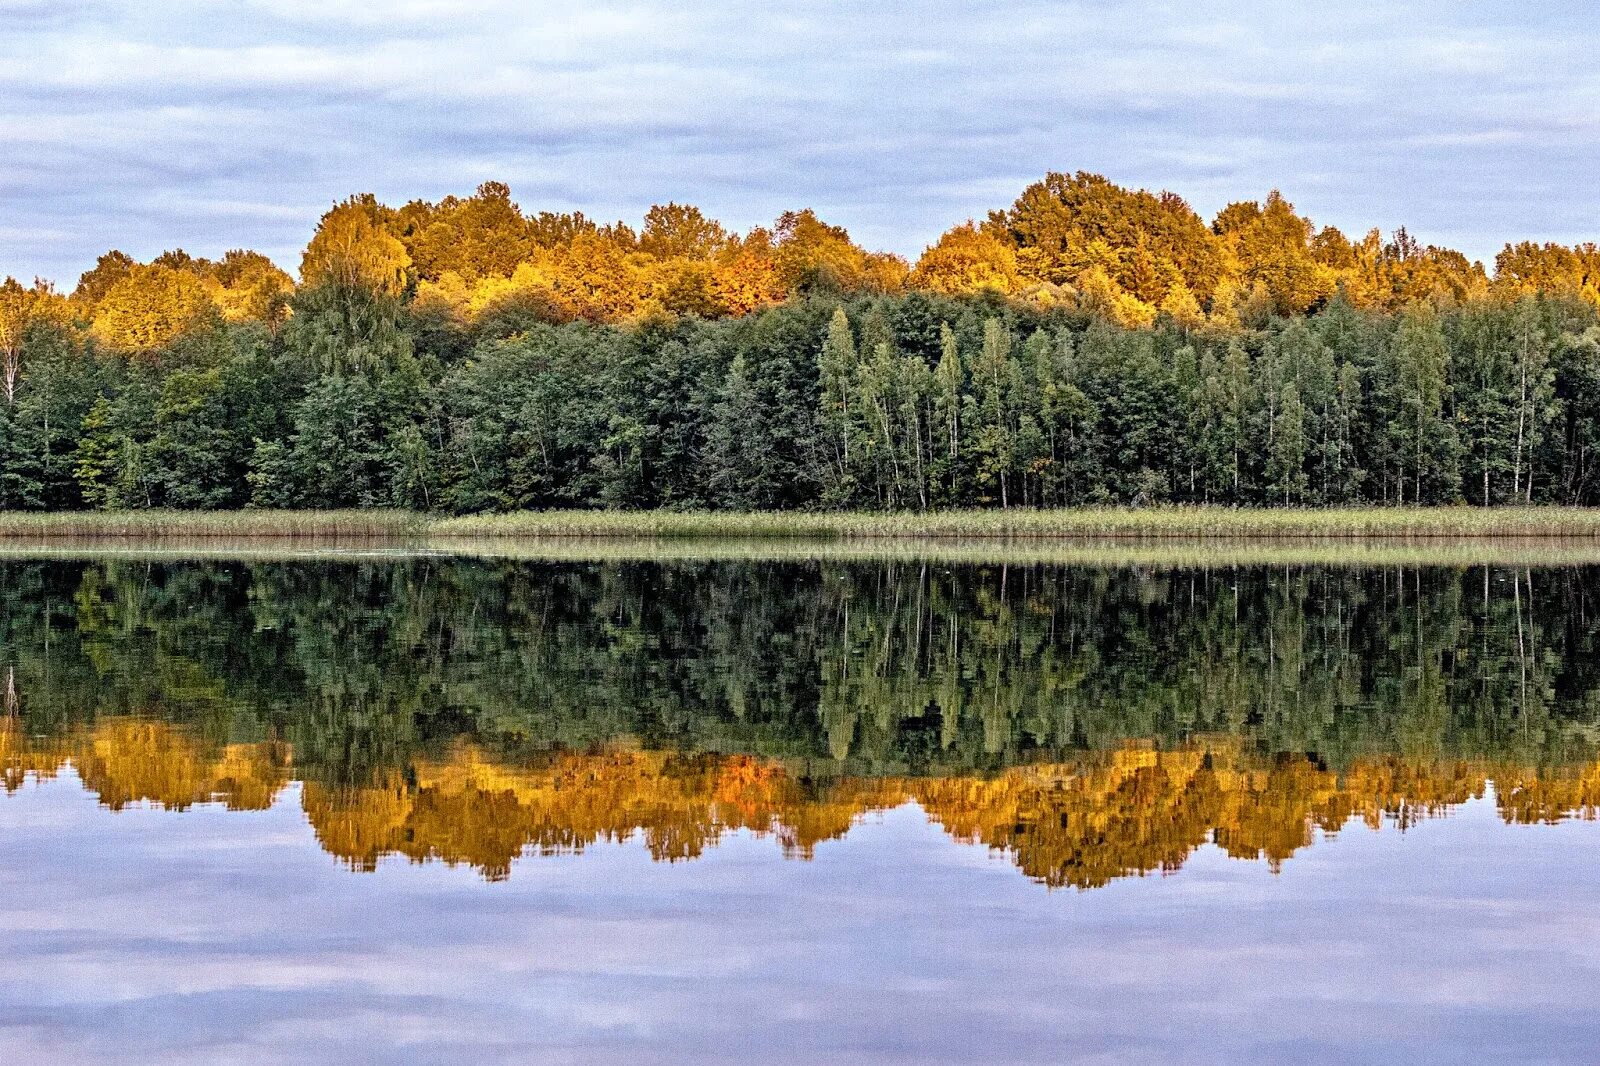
(1106, 815)
(1087, 723)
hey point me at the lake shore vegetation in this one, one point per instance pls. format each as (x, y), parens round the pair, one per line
(1086, 525)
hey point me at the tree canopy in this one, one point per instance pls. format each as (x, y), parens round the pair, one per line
(1088, 344)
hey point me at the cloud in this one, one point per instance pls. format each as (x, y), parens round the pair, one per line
(210, 125)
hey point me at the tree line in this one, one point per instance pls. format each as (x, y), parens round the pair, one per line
(1090, 344)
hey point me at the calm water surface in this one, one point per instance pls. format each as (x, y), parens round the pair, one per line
(447, 809)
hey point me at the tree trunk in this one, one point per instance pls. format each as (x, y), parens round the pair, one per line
(1522, 416)
(11, 370)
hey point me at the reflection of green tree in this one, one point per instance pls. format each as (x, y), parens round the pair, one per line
(861, 668)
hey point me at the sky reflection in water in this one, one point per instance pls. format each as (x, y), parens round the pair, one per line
(151, 936)
(884, 904)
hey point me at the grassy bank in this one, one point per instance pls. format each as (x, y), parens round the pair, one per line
(1163, 553)
(1017, 524)
(144, 525)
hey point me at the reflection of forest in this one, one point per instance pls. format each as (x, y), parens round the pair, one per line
(1085, 822)
(1093, 722)
(877, 669)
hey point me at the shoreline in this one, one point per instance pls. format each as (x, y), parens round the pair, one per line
(1170, 538)
(1167, 554)
(1084, 524)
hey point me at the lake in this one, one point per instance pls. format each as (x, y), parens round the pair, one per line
(757, 804)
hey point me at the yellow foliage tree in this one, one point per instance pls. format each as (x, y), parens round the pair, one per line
(596, 279)
(748, 279)
(93, 284)
(1272, 245)
(20, 310)
(683, 286)
(251, 287)
(681, 231)
(1180, 305)
(811, 254)
(151, 307)
(1100, 295)
(966, 260)
(353, 246)
(1526, 268)
(484, 235)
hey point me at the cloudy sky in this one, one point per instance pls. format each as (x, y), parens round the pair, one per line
(209, 124)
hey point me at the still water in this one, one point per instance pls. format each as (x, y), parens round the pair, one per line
(398, 807)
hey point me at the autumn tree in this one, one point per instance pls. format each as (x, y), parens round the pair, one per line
(152, 306)
(968, 260)
(681, 231)
(1065, 226)
(1526, 268)
(483, 235)
(354, 247)
(1271, 245)
(1409, 271)
(251, 287)
(94, 283)
(812, 255)
(21, 311)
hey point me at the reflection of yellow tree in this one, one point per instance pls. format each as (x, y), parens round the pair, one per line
(22, 757)
(1527, 798)
(1140, 810)
(1131, 811)
(468, 809)
(136, 760)
(359, 825)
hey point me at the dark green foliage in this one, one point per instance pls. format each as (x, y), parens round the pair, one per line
(893, 403)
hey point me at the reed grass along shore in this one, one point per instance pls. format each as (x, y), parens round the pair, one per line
(1014, 524)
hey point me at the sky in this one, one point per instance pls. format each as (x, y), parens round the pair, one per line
(211, 124)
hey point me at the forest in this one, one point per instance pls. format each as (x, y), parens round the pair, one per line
(1089, 344)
